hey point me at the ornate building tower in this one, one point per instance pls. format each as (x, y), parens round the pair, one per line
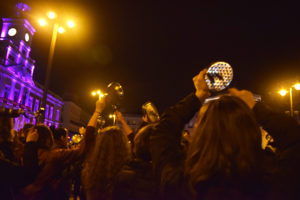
(17, 88)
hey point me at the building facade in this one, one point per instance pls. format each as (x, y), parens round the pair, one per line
(17, 87)
(74, 117)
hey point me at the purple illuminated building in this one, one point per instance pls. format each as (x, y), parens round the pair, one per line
(17, 87)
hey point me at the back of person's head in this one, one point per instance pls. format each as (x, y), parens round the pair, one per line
(104, 161)
(26, 128)
(225, 142)
(5, 128)
(60, 132)
(141, 147)
(45, 140)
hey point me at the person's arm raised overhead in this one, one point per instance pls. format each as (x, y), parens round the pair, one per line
(166, 151)
(125, 126)
(100, 104)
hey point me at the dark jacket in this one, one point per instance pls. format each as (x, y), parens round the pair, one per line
(53, 165)
(168, 161)
(167, 154)
(286, 134)
(135, 181)
(13, 176)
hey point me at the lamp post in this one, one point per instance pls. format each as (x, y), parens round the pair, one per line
(56, 29)
(49, 64)
(283, 92)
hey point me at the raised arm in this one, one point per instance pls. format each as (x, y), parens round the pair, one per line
(125, 126)
(166, 152)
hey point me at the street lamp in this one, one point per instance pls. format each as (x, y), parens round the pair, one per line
(56, 29)
(42, 22)
(99, 93)
(283, 92)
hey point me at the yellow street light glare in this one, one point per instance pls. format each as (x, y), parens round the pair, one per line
(93, 93)
(61, 30)
(51, 15)
(283, 92)
(112, 116)
(297, 86)
(70, 24)
(42, 22)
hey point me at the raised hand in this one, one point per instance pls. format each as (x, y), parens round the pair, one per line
(100, 104)
(202, 91)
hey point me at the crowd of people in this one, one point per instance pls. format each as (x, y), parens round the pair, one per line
(238, 149)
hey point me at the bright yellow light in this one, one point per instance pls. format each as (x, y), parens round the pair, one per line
(70, 24)
(99, 92)
(94, 93)
(51, 15)
(61, 30)
(283, 92)
(42, 22)
(112, 116)
(297, 86)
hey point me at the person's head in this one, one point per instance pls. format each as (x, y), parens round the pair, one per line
(24, 132)
(45, 140)
(107, 156)
(141, 147)
(226, 141)
(61, 134)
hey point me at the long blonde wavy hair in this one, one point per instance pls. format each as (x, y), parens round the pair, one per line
(103, 162)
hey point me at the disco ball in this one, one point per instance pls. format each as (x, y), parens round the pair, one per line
(219, 76)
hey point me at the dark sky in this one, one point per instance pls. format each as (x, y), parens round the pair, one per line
(154, 48)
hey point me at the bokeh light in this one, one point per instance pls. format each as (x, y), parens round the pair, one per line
(282, 92)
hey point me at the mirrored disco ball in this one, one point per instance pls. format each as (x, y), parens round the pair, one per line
(219, 75)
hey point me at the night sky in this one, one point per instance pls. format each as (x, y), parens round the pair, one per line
(154, 48)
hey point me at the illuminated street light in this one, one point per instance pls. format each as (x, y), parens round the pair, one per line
(99, 93)
(113, 116)
(297, 86)
(42, 22)
(51, 15)
(70, 24)
(56, 29)
(61, 30)
(283, 92)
